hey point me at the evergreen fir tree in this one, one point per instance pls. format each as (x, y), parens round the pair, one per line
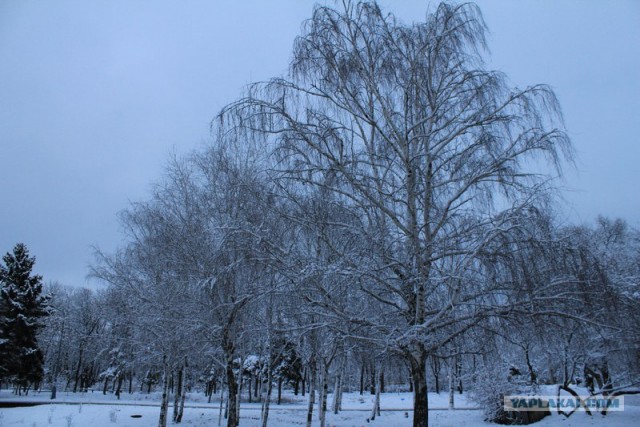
(22, 309)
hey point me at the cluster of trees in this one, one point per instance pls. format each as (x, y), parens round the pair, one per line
(587, 332)
(376, 218)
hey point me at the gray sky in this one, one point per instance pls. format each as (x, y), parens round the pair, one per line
(95, 95)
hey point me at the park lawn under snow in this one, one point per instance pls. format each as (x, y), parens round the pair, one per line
(96, 410)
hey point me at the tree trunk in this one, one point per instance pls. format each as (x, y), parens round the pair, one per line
(221, 400)
(533, 377)
(257, 385)
(376, 402)
(459, 374)
(178, 395)
(373, 380)
(336, 393)
(320, 391)
(267, 399)
(279, 390)
(451, 383)
(312, 393)
(75, 385)
(91, 376)
(119, 387)
(182, 399)
(420, 397)
(378, 391)
(164, 405)
(232, 388)
(238, 395)
(340, 391)
(324, 388)
(435, 368)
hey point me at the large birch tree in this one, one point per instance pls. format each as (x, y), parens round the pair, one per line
(431, 150)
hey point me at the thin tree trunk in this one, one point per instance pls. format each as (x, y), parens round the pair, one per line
(378, 391)
(336, 393)
(324, 390)
(119, 388)
(239, 395)
(75, 385)
(451, 383)
(459, 374)
(221, 400)
(532, 375)
(178, 395)
(376, 401)
(182, 399)
(257, 385)
(312, 392)
(279, 390)
(435, 367)
(320, 395)
(373, 379)
(267, 399)
(340, 391)
(164, 405)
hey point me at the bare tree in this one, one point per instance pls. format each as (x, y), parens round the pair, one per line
(158, 271)
(408, 129)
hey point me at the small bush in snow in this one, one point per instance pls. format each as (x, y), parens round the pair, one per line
(490, 388)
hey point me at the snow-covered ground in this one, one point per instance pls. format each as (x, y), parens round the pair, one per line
(96, 410)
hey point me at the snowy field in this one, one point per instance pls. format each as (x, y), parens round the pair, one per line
(96, 410)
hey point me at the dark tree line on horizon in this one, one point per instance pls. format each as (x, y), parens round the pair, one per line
(375, 220)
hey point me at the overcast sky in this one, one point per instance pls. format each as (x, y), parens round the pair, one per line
(94, 96)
